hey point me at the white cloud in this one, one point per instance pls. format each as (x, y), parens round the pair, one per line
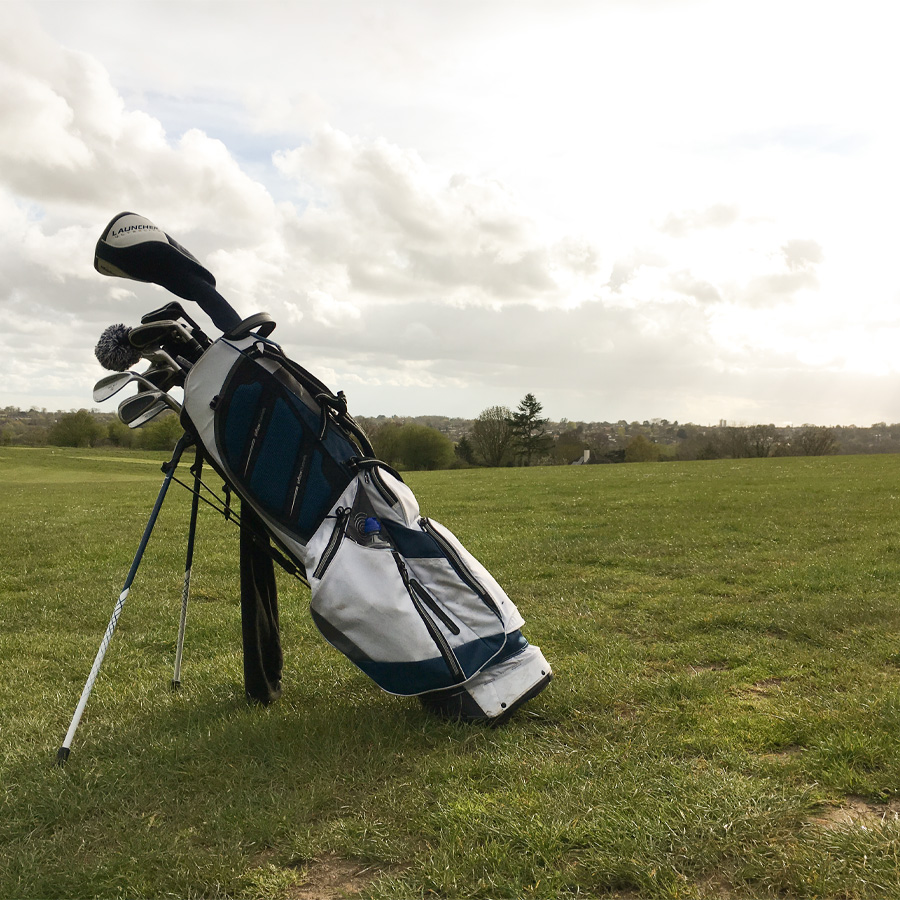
(611, 205)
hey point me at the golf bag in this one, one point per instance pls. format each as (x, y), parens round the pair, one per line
(393, 590)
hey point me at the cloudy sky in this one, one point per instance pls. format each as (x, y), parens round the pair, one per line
(631, 208)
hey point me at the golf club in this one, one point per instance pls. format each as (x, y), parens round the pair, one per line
(161, 359)
(148, 414)
(171, 311)
(132, 408)
(153, 334)
(110, 385)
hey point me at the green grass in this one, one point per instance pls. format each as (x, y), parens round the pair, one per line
(726, 641)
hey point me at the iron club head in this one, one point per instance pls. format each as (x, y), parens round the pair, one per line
(148, 414)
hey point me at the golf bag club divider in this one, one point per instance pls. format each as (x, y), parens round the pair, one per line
(169, 470)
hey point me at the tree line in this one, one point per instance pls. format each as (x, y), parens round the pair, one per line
(85, 428)
(503, 437)
(497, 437)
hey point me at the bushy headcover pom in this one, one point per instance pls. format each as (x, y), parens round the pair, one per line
(114, 350)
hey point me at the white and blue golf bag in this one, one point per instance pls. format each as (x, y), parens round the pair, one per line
(394, 591)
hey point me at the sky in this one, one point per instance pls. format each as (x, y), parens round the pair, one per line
(633, 209)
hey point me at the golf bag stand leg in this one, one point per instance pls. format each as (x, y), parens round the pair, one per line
(169, 469)
(197, 470)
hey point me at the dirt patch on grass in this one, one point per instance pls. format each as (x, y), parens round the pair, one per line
(855, 812)
(332, 878)
(784, 755)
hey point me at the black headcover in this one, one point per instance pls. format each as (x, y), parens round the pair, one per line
(133, 247)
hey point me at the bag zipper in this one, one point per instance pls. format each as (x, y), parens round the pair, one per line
(342, 514)
(434, 606)
(387, 494)
(435, 632)
(459, 566)
(298, 481)
(259, 424)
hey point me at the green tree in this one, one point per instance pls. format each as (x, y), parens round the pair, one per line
(386, 442)
(640, 449)
(530, 430)
(162, 433)
(75, 429)
(492, 436)
(465, 451)
(569, 446)
(422, 447)
(119, 434)
(412, 446)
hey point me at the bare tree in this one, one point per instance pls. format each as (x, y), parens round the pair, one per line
(761, 440)
(816, 441)
(492, 435)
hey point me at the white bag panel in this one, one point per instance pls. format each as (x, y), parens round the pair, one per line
(203, 383)
(363, 597)
(510, 615)
(404, 508)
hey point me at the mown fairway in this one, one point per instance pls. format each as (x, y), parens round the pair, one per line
(724, 722)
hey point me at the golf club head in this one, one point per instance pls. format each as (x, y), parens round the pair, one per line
(171, 311)
(110, 385)
(134, 407)
(163, 377)
(154, 334)
(131, 407)
(155, 378)
(148, 414)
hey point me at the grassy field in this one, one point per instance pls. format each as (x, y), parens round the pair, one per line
(724, 722)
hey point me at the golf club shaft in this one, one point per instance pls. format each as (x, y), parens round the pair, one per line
(189, 562)
(63, 752)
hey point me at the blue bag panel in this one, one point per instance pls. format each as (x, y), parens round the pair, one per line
(269, 442)
(317, 495)
(410, 677)
(274, 465)
(240, 421)
(412, 543)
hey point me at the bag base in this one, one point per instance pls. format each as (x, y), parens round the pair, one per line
(496, 692)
